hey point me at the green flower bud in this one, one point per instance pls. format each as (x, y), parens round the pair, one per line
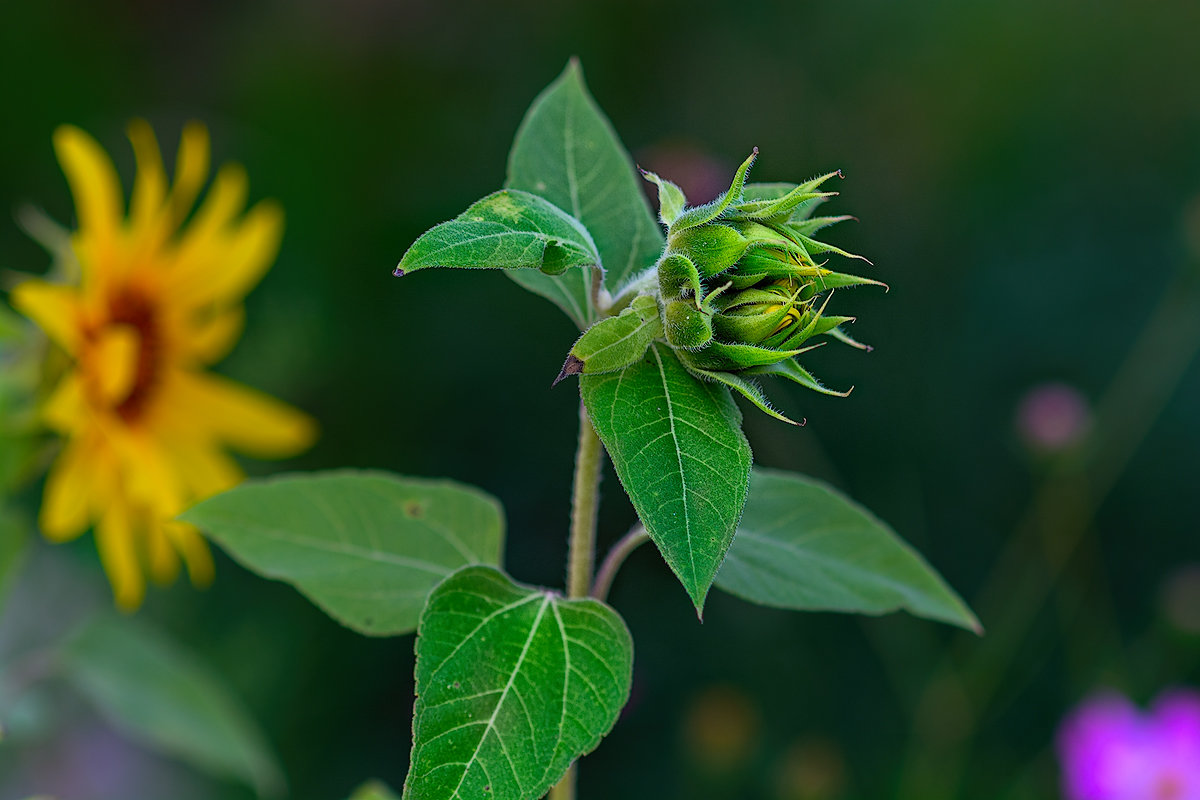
(678, 277)
(757, 314)
(687, 327)
(712, 248)
(741, 288)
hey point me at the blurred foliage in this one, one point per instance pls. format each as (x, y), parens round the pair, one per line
(1021, 170)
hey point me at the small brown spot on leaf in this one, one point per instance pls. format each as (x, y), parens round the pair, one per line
(414, 510)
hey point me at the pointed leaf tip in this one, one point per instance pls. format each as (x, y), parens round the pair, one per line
(399, 273)
(572, 366)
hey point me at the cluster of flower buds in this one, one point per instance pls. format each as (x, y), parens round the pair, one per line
(741, 291)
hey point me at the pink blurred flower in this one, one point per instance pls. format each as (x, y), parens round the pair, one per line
(1052, 416)
(1110, 750)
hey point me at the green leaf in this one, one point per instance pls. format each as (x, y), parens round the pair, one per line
(373, 790)
(513, 684)
(367, 547)
(616, 342)
(151, 689)
(567, 152)
(802, 545)
(677, 445)
(505, 230)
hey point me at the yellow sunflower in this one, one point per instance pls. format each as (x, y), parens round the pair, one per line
(145, 428)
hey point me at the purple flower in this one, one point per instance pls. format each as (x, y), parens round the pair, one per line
(1110, 750)
(1052, 417)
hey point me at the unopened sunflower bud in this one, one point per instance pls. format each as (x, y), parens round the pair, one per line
(742, 293)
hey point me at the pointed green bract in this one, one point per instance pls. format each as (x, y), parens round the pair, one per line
(701, 215)
(671, 199)
(567, 152)
(792, 371)
(154, 691)
(367, 547)
(802, 545)
(513, 684)
(748, 389)
(506, 230)
(677, 445)
(616, 342)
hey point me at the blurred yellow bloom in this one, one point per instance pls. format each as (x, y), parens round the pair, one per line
(145, 428)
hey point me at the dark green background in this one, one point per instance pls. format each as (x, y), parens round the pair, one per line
(1022, 171)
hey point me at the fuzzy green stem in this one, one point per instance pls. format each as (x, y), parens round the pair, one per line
(585, 501)
(581, 552)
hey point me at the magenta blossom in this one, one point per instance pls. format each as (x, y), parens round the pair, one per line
(1110, 750)
(1052, 417)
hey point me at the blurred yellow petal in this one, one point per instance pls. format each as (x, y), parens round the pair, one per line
(203, 249)
(205, 469)
(93, 181)
(160, 553)
(113, 362)
(226, 199)
(67, 409)
(66, 506)
(251, 252)
(115, 539)
(191, 170)
(195, 552)
(54, 308)
(151, 483)
(150, 186)
(243, 418)
(211, 340)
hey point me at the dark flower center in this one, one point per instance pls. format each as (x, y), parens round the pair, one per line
(133, 309)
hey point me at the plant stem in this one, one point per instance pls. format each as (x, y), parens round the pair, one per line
(636, 537)
(581, 550)
(585, 501)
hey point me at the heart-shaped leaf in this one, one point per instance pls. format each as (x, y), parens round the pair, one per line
(505, 230)
(367, 547)
(805, 546)
(678, 448)
(513, 684)
(567, 152)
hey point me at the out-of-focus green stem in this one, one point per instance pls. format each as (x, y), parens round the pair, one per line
(1055, 523)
